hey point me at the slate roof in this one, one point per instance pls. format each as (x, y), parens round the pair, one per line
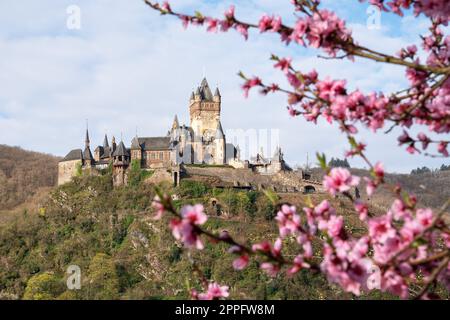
(75, 154)
(105, 142)
(135, 144)
(106, 153)
(205, 91)
(121, 150)
(87, 155)
(154, 143)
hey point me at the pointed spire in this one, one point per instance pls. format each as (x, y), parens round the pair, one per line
(105, 142)
(205, 91)
(175, 124)
(217, 92)
(87, 141)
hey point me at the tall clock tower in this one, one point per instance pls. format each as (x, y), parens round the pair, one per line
(204, 111)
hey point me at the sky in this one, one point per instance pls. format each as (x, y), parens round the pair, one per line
(127, 69)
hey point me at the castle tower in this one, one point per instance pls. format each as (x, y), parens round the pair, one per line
(121, 161)
(204, 111)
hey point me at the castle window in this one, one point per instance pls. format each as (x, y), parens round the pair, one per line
(161, 156)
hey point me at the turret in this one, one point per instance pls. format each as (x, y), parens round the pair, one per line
(197, 95)
(105, 142)
(121, 162)
(121, 155)
(217, 96)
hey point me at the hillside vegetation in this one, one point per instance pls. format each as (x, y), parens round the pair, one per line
(23, 174)
(124, 254)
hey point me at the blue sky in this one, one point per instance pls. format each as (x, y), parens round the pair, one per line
(127, 68)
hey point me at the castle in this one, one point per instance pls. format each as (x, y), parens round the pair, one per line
(202, 142)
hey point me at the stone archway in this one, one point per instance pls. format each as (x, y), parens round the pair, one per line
(309, 189)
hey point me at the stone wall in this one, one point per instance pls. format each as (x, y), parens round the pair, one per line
(285, 181)
(66, 170)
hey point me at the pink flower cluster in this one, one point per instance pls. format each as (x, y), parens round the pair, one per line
(323, 29)
(339, 180)
(437, 9)
(213, 292)
(185, 229)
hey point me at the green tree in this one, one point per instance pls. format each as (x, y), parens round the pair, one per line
(134, 177)
(44, 286)
(78, 169)
(103, 281)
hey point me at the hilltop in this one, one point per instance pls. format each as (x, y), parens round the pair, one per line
(24, 174)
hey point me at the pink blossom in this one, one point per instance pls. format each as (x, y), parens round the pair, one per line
(329, 89)
(299, 31)
(288, 220)
(194, 214)
(292, 112)
(299, 264)
(229, 13)
(284, 64)
(380, 228)
(293, 80)
(442, 148)
(424, 217)
(250, 83)
(158, 207)
(215, 291)
(241, 262)
(184, 231)
(270, 268)
(392, 282)
(212, 25)
(339, 180)
(333, 226)
(362, 209)
(242, 29)
(379, 170)
(166, 6)
(267, 23)
(424, 139)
